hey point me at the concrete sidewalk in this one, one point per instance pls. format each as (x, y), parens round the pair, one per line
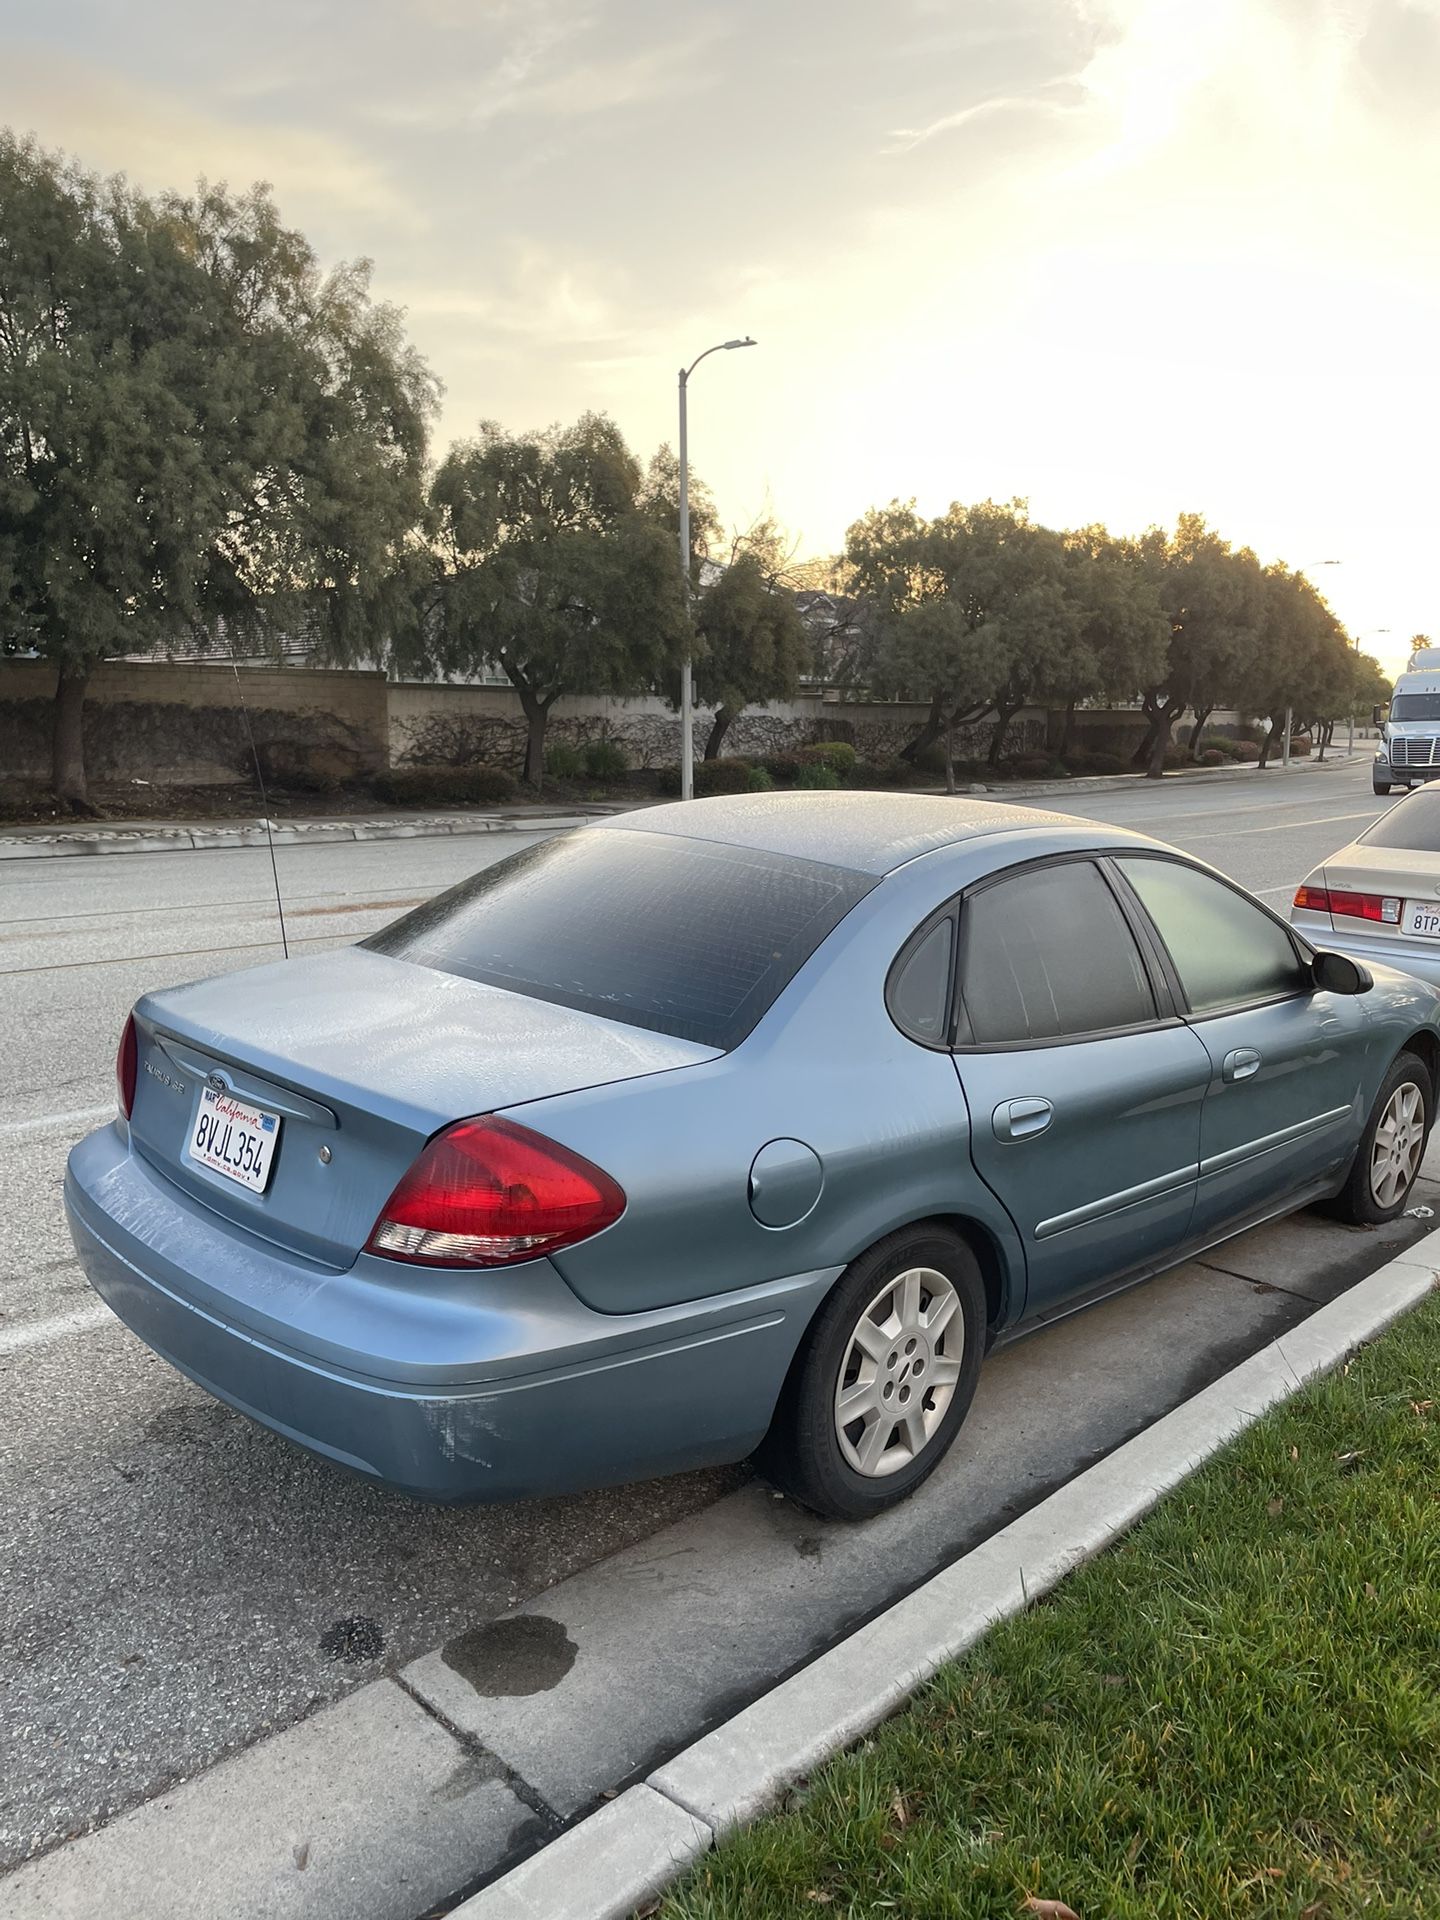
(49, 840)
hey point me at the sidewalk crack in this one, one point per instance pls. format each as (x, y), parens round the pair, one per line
(523, 1791)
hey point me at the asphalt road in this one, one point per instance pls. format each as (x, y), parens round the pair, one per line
(175, 1582)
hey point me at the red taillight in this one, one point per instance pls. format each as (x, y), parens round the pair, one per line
(1354, 906)
(486, 1193)
(125, 1068)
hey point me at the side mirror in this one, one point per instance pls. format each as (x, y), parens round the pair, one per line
(1338, 973)
(1374, 716)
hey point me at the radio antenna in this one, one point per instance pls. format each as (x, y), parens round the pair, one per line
(265, 803)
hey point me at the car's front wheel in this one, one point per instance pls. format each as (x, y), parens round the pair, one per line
(1380, 786)
(1391, 1147)
(884, 1379)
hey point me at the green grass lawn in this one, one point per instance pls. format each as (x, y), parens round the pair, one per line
(1236, 1711)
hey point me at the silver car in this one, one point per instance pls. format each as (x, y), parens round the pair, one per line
(1379, 897)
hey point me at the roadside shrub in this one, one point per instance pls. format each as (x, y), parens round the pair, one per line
(564, 761)
(894, 772)
(1299, 745)
(838, 755)
(818, 775)
(1220, 743)
(1031, 766)
(1176, 758)
(443, 786)
(759, 781)
(606, 760)
(1247, 750)
(711, 777)
(1212, 757)
(1095, 760)
(783, 768)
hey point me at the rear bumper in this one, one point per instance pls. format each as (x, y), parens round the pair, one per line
(1418, 958)
(547, 1395)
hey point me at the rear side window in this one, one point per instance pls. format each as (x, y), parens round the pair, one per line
(686, 937)
(1046, 955)
(919, 990)
(1226, 951)
(1413, 825)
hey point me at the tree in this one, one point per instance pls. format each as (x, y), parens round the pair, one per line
(545, 563)
(198, 428)
(752, 643)
(1300, 664)
(928, 588)
(1122, 636)
(1213, 597)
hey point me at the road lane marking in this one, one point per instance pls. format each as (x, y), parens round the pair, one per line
(38, 1333)
(1286, 826)
(48, 1122)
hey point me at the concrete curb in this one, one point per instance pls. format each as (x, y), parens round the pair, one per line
(299, 833)
(124, 839)
(743, 1766)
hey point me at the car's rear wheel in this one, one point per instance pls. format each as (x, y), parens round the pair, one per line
(884, 1379)
(1391, 1147)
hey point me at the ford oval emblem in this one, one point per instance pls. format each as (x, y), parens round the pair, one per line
(216, 1082)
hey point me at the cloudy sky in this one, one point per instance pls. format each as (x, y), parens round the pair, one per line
(1124, 257)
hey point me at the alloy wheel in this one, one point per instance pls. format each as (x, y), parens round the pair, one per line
(899, 1372)
(1398, 1145)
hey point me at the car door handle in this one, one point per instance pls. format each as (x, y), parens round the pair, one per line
(1240, 1063)
(1021, 1119)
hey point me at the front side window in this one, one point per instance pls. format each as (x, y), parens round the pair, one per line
(1226, 951)
(1046, 955)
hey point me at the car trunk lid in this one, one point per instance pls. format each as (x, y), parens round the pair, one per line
(361, 1058)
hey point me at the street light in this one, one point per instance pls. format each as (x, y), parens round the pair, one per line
(687, 684)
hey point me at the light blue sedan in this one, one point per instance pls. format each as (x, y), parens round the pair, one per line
(746, 1123)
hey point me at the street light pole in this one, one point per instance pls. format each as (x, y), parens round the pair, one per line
(687, 677)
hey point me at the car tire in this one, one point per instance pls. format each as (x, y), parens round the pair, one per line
(1391, 1148)
(1381, 786)
(908, 1379)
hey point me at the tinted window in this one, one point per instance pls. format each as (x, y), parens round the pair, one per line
(1415, 706)
(1413, 825)
(1226, 951)
(920, 985)
(1048, 954)
(683, 936)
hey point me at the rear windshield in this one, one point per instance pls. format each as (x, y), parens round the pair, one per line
(685, 937)
(1412, 824)
(1415, 706)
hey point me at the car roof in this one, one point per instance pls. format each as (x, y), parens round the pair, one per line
(866, 832)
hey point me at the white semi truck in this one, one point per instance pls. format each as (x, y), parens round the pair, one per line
(1409, 750)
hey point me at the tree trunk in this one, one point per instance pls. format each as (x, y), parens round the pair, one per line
(1067, 733)
(67, 741)
(1003, 716)
(1199, 727)
(536, 712)
(719, 727)
(950, 759)
(931, 731)
(1268, 742)
(1163, 719)
(1157, 727)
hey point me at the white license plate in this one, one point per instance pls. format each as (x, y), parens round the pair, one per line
(233, 1138)
(1422, 918)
